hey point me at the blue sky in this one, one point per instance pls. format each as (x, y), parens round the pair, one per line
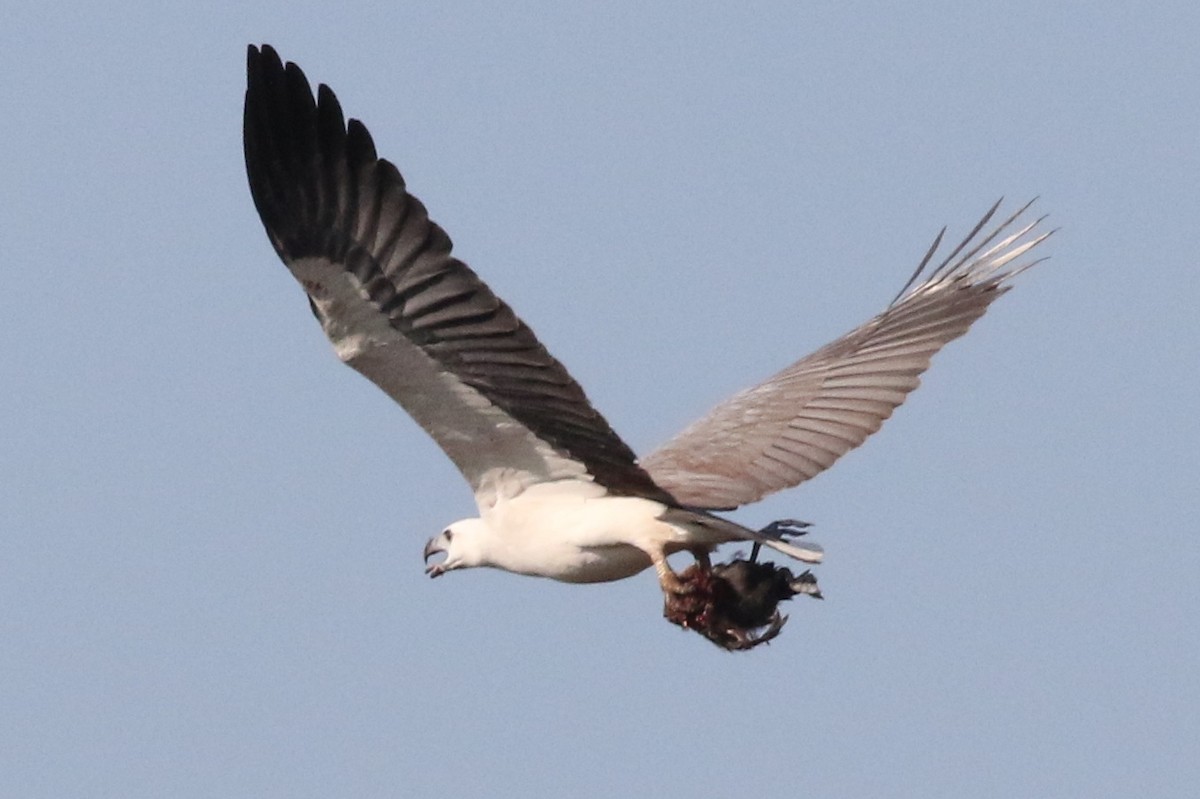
(210, 530)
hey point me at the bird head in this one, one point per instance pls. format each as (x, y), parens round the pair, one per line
(460, 543)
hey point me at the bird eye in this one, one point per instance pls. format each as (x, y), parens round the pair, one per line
(449, 535)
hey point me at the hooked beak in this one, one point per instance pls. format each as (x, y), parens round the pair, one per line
(433, 547)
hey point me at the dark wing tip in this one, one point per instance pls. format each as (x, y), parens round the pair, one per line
(296, 146)
(261, 64)
(979, 254)
(359, 144)
(329, 115)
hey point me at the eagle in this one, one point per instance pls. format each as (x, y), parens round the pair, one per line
(559, 494)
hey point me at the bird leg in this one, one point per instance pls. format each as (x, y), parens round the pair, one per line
(687, 599)
(671, 583)
(668, 580)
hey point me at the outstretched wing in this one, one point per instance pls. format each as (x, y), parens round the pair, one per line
(797, 423)
(405, 313)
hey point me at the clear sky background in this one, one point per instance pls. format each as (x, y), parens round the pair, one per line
(211, 531)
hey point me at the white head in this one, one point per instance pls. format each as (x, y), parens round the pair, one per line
(462, 543)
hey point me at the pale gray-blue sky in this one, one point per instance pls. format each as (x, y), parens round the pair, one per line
(211, 530)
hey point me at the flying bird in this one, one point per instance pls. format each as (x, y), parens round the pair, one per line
(559, 494)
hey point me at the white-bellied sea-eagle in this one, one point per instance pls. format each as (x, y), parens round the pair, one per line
(559, 494)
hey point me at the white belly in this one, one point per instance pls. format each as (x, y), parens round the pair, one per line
(572, 532)
(599, 565)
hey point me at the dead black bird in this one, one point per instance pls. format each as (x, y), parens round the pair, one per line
(736, 604)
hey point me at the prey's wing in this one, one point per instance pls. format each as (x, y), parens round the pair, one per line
(797, 423)
(402, 310)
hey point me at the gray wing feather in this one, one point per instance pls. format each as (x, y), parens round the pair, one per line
(797, 423)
